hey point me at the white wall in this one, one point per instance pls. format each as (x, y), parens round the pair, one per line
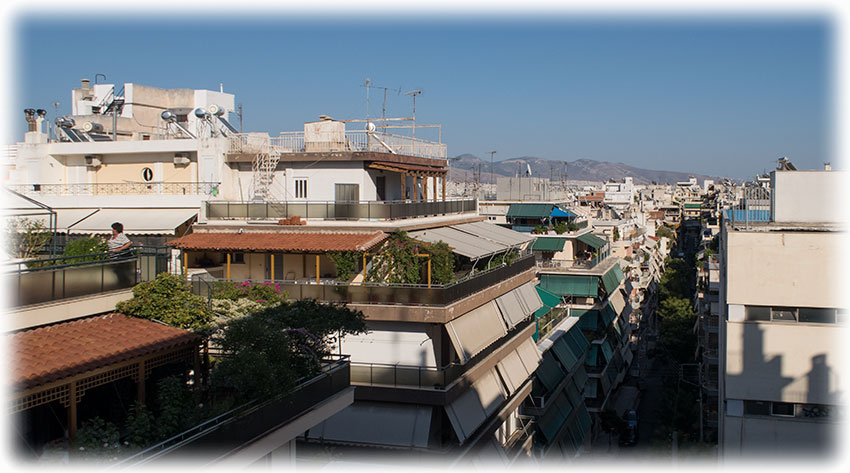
(807, 196)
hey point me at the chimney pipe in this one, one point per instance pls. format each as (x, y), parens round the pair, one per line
(85, 83)
(827, 167)
(29, 114)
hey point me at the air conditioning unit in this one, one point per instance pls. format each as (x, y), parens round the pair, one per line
(181, 159)
(93, 161)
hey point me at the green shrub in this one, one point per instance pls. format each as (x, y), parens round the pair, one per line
(442, 263)
(168, 299)
(396, 261)
(346, 263)
(97, 440)
(86, 246)
(140, 426)
(561, 228)
(265, 292)
(540, 229)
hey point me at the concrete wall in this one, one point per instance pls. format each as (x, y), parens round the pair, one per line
(788, 362)
(761, 435)
(785, 269)
(807, 196)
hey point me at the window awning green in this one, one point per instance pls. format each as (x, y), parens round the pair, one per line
(592, 240)
(606, 351)
(570, 285)
(529, 210)
(589, 320)
(608, 314)
(550, 301)
(549, 372)
(590, 359)
(693, 206)
(564, 354)
(611, 279)
(549, 244)
(577, 342)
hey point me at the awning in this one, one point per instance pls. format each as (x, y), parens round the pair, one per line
(393, 343)
(559, 212)
(577, 342)
(473, 407)
(407, 168)
(608, 314)
(514, 370)
(550, 373)
(611, 279)
(570, 285)
(549, 300)
(592, 353)
(549, 244)
(618, 301)
(607, 352)
(552, 421)
(462, 243)
(591, 388)
(588, 319)
(400, 425)
(518, 304)
(529, 210)
(65, 218)
(592, 240)
(136, 221)
(628, 357)
(496, 233)
(476, 330)
(563, 353)
(529, 355)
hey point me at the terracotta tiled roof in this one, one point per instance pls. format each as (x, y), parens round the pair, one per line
(285, 242)
(56, 352)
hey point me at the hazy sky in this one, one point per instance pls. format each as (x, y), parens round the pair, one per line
(718, 97)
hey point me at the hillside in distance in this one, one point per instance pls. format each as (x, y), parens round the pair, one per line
(463, 168)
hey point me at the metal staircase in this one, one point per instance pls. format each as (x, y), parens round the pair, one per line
(112, 102)
(263, 168)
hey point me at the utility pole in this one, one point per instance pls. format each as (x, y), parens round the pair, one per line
(492, 175)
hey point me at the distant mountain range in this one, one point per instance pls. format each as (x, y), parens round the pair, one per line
(463, 168)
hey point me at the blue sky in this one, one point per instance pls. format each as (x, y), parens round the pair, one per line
(715, 96)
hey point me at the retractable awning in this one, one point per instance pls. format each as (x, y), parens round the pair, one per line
(138, 221)
(475, 330)
(592, 240)
(570, 285)
(496, 233)
(462, 243)
(549, 244)
(518, 365)
(475, 405)
(611, 279)
(529, 210)
(399, 425)
(65, 218)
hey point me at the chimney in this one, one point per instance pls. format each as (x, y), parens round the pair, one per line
(827, 167)
(41, 120)
(29, 114)
(85, 83)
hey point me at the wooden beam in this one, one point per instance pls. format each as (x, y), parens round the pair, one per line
(185, 264)
(444, 188)
(435, 187)
(317, 269)
(72, 411)
(140, 383)
(425, 187)
(271, 257)
(402, 177)
(228, 266)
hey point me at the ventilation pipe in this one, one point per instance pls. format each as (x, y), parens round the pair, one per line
(29, 114)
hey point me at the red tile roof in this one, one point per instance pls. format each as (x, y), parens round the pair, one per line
(56, 352)
(285, 242)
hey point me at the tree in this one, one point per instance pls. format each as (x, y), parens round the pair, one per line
(616, 234)
(265, 353)
(25, 238)
(676, 330)
(168, 299)
(665, 232)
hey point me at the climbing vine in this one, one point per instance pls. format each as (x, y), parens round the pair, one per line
(442, 263)
(346, 263)
(396, 261)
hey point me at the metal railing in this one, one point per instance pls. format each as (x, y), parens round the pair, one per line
(329, 210)
(51, 279)
(382, 293)
(245, 424)
(294, 142)
(118, 188)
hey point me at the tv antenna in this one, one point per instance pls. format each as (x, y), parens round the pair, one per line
(368, 85)
(414, 93)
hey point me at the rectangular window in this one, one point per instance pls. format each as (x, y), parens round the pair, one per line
(784, 409)
(783, 314)
(757, 408)
(841, 316)
(820, 316)
(757, 313)
(300, 188)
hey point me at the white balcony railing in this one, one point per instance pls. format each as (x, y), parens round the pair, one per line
(293, 142)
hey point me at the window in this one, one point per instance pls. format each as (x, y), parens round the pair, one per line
(757, 313)
(785, 409)
(235, 258)
(147, 174)
(300, 188)
(813, 315)
(757, 408)
(784, 314)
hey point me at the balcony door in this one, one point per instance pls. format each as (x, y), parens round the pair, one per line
(346, 192)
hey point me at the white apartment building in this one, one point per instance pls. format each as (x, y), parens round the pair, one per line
(783, 320)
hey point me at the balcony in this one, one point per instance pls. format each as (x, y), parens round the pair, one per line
(118, 188)
(244, 425)
(53, 279)
(327, 210)
(393, 294)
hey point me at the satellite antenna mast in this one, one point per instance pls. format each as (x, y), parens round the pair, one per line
(414, 93)
(367, 84)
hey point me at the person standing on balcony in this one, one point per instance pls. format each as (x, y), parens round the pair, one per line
(119, 242)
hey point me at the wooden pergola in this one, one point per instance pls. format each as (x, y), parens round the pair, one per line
(62, 362)
(420, 176)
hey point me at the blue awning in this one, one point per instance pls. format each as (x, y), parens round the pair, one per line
(559, 212)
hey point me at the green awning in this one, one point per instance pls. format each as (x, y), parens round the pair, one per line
(574, 390)
(580, 378)
(549, 244)
(577, 342)
(549, 372)
(589, 320)
(611, 279)
(563, 353)
(529, 210)
(693, 206)
(550, 301)
(592, 240)
(606, 351)
(608, 314)
(570, 285)
(590, 360)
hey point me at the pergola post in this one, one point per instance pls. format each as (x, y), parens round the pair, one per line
(434, 177)
(317, 269)
(140, 383)
(402, 178)
(425, 188)
(444, 186)
(228, 266)
(185, 264)
(271, 256)
(72, 411)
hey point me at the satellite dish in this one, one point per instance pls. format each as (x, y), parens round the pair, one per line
(201, 113)
(370, 127)
(216, 110)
